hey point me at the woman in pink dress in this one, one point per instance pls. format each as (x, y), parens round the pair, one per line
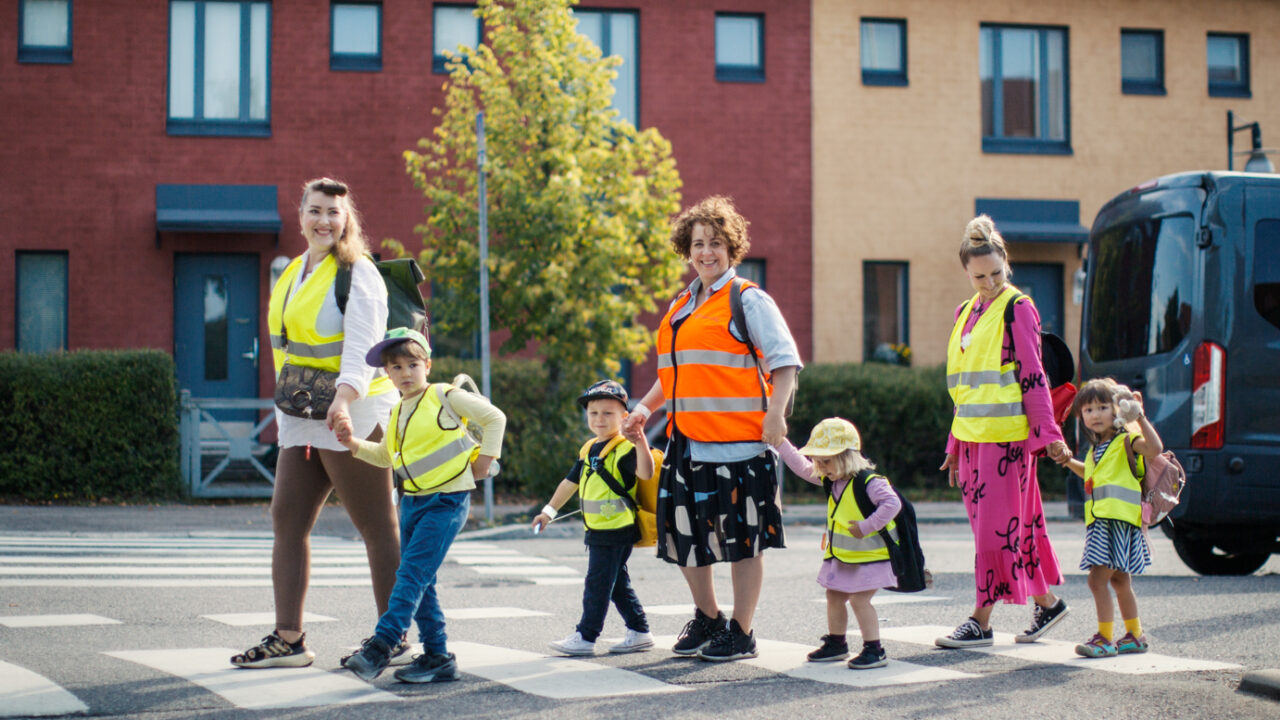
(1003, 422)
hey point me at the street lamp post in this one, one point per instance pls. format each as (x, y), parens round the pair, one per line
(484, 295)
(1258, 160)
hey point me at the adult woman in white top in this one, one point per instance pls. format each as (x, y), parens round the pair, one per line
(312, 462)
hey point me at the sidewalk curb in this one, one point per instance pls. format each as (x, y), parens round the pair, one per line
(1262, 682)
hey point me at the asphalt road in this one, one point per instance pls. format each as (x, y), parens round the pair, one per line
(171, 606)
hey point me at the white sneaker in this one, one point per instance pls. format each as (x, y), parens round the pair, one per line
(575, 645)
(633, 642)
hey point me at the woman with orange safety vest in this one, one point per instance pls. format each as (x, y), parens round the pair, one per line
(1003, 421)
(308, 330)
(725, 389)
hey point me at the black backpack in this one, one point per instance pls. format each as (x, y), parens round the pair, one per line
(402, 276)
(738, 317)
(1059, 365)
(905, 556)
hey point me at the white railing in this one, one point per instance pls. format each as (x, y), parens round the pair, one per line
(203, 435)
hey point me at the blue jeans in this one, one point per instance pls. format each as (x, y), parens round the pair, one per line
(607, 579)
(428, 525)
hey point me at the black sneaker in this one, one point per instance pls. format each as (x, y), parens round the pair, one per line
(870, 657)
(1042, 619)
(275, 651)
(697, 633)
(730, 643)
(369, 661)
(832, 649)
(429, 667)
(399, 654)
(969, 634)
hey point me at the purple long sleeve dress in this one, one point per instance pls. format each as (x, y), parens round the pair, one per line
(1013, 556)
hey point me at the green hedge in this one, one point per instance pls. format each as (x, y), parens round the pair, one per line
(89, 425)
(903, 414)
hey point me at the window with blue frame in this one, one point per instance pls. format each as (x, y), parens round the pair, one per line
(883, 47)
(1228, 59)
(753, 269)
(355, 36)
(453, 26)
(1025, 96)
(739, 47)
(44, 31)
(885, 312)
(616, 32)
(41, 311)
(1142, 62)
(219, 68)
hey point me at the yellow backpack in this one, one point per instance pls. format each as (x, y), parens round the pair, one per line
(643, 498)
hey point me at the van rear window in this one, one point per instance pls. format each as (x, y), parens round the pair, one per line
(1140, 291)
(1266, 270)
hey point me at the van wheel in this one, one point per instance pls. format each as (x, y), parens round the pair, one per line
(1204, 557)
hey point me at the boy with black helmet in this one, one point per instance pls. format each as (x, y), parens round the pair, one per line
(605, 478)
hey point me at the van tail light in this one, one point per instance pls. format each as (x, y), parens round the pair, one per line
(1208, 379)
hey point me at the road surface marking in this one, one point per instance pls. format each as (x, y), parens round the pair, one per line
(1061, 652)
(261, 618)
(26, 694)
(524, 570)
(488, 613)
(553, 677)
(28, 621)
(499, 560)
(258, 689)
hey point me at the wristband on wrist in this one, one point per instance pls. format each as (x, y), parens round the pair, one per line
(549, 511)
(643, 410)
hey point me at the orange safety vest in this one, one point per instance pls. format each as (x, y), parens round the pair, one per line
(714, 388)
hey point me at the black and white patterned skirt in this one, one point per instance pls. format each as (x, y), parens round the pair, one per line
(1115, 544)
(709, 513)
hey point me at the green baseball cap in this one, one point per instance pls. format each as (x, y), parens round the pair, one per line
(396, 335)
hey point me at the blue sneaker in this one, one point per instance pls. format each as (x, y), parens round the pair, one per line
(369, 662)
(429, 667)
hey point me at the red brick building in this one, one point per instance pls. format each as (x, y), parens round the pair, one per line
(154, 151)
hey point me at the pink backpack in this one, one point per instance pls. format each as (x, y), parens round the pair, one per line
(1162, 484)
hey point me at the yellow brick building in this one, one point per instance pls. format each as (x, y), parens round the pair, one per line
(925, 111)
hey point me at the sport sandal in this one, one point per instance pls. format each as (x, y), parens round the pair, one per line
(275, 651)
(1096, 647)
(1130, 645)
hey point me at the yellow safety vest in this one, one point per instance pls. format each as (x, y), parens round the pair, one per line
(1117, 494)
(291, 322)
(987, 395)
(841, 544)
(426, 454)
(602, 508)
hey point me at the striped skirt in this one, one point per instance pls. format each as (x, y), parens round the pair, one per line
(1115, 544)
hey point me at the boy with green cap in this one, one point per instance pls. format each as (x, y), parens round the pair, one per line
(435, 467)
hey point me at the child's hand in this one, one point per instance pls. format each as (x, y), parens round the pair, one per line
(540, 523)
(855, 531)
(343, 431)
(1059, 452)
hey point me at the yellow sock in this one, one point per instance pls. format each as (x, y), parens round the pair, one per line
(1106, 629)
(1134, 626)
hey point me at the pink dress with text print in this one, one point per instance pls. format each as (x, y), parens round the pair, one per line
(1013, 556)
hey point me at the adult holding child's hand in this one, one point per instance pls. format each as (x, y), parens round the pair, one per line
(726, 390)
(1003, 420)
(326, 397)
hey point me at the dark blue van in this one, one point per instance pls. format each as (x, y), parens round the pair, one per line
(1182, 302)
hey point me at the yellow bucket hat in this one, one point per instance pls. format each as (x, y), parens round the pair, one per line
(832, 437)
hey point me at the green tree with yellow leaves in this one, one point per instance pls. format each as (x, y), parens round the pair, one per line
(579, 199)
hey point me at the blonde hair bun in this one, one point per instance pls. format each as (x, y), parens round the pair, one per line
(980, 229)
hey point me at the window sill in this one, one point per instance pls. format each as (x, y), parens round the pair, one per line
(1230, 91)
(739, 73)
(212, 128)
(45, 55)
(356, 63)
(884, 79)
(1022, 146)
(1136, 87)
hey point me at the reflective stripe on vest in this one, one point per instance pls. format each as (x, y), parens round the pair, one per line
(987, 394)
(1117, 494)
(425, 454)
(842, 514)
(602, 508)
(713, 385)
(291, 321)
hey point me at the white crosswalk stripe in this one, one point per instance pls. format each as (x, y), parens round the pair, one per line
(27, 694)
(258, 689)
(553, 677)
(1061, 652)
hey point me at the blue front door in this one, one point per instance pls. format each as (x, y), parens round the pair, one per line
(215, 328)
(1043, 282)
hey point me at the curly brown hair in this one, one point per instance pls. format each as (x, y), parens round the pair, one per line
(717, 213)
